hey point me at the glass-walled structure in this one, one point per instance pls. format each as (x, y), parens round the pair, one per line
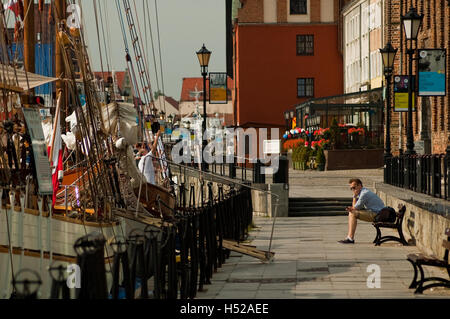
(360, 109)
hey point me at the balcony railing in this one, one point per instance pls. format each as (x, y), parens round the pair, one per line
(427, 174)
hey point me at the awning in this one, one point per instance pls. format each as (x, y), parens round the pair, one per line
(19, 80)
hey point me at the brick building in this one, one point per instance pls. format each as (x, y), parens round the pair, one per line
(431, 120)
(285, 52)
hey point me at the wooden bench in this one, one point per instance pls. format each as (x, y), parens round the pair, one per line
(397, 224)
(419, 260)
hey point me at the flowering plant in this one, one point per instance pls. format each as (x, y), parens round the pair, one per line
(291, 144)
(357, 131)
(322, 132)
(320, 143)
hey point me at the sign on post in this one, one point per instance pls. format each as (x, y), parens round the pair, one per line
(432, 72)
(44, 174)
(271, 147)
(401, 83)
(218, 88)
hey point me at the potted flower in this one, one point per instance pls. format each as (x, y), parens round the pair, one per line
(356, 134)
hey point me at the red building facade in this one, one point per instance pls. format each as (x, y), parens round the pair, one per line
(285, 52)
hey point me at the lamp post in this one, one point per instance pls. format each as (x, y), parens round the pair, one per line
(411, 23)
(388, 57)
(286, 117)
(203, 58)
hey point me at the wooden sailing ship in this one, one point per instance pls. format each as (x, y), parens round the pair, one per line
(38, 224)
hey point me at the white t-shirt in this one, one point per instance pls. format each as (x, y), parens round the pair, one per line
(149, 170)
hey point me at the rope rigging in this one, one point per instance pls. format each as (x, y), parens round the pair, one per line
(160, 56)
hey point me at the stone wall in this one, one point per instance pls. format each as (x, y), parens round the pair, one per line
(425, 220)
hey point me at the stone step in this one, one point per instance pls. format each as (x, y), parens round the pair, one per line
(319, 204)
(331, 206)
(317, 213)
(320, 199)
(295, 208)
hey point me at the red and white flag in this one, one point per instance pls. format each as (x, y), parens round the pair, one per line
(13, 5)
(55, 151)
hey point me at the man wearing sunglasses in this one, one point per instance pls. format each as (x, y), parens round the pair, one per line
(366, 205)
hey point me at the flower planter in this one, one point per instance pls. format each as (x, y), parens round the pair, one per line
(353, 159)
(321, 166)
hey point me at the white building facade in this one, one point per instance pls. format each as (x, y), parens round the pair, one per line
(362, 38)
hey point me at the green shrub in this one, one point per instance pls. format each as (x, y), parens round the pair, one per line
(296, 153)
(320, 157)
(305, 154)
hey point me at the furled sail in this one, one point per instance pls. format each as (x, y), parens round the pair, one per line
(121, 117)
(19, 80)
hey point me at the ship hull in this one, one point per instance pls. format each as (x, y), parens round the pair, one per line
(38, 241)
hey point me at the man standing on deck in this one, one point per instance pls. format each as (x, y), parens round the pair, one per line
(146, 163)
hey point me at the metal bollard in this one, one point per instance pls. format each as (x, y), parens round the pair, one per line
(282, 175)
(258, 176)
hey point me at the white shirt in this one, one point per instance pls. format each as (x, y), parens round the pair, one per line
(148, 170)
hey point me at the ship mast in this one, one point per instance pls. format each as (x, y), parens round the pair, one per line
(60, 8)
(29, 37)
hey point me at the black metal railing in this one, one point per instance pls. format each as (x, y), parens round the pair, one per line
(427, 174)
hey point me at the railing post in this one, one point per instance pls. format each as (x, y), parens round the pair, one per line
(65, 198)
(395, 171)
(258, 177)
(386, 170)
(419, 174)
(405, 171)
(433, 176)
(232, 168)
(447, 170)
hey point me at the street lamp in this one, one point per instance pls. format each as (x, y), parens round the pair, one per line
(388, 57)
(286, 117)
(203, 58)
(411, 23)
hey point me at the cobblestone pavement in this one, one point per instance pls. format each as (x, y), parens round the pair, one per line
(310, 263)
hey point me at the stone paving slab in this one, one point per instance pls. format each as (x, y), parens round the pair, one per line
(310, 264)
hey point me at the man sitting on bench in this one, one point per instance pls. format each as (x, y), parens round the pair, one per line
(366, 205)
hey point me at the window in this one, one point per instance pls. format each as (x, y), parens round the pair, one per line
(305, 87)
(298, 7)
(305, 44)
